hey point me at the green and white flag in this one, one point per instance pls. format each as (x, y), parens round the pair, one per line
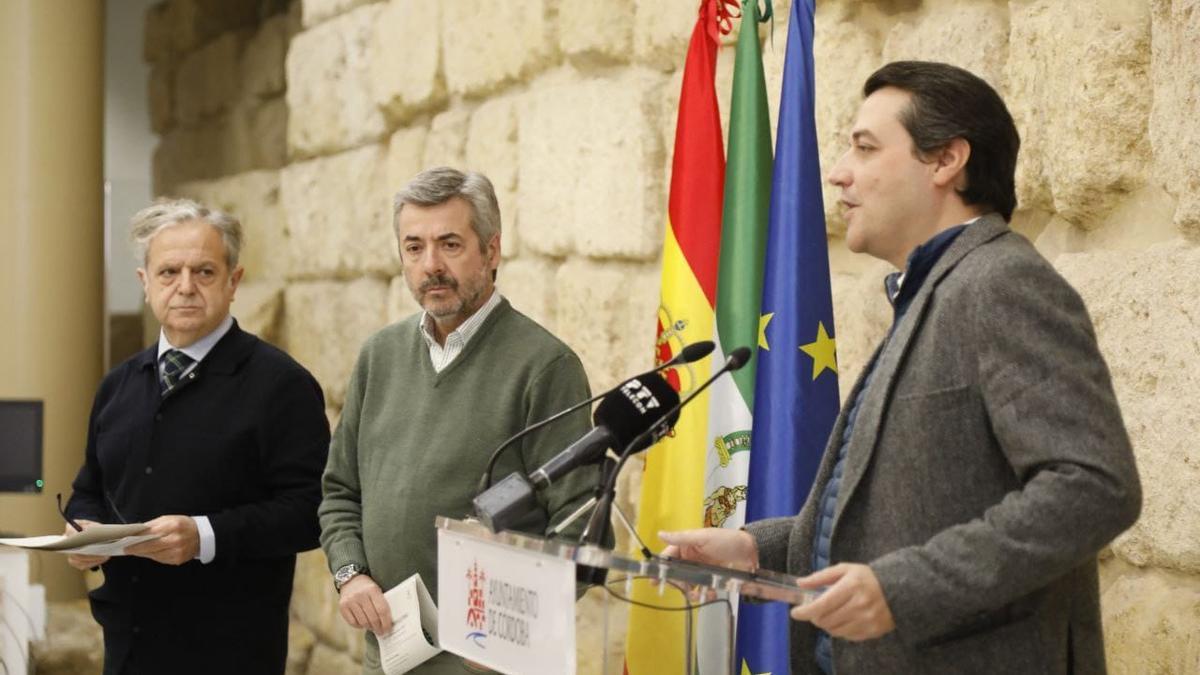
(740, 278)
(739, 296)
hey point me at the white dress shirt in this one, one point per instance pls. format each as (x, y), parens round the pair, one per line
(442, 355)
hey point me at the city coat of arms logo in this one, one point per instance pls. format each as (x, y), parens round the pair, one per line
(476, 605)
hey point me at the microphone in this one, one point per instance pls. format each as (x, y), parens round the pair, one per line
(737, 358)
(621, 418)
(630, 416)
(689, 354)
(598, 524)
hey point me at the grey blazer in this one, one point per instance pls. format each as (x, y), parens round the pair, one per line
(988, 466)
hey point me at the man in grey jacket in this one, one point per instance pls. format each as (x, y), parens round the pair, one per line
(980, 462)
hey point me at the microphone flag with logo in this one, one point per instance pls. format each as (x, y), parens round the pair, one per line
(621, 417)
(633, 408)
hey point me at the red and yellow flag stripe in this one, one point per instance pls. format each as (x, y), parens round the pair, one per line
(673, 483)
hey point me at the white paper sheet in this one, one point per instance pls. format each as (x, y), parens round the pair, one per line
(413, 639)
(107, 540)
(111, 548)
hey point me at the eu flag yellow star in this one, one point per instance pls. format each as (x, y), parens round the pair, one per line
(762, 329)
(746, 669)
(823, 351)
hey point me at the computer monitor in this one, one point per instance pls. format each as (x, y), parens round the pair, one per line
(21, 446)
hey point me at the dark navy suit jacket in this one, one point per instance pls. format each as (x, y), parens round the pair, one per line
(244, 443)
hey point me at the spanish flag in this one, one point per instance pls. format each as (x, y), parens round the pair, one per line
(673, 483)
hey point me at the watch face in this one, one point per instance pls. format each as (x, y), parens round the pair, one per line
(345, 573)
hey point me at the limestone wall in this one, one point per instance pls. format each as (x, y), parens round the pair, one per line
(305, 119)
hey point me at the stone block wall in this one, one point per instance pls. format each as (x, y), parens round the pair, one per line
(304, 119)
(216, 87)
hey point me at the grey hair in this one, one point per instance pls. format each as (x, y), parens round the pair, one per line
(439, 185)
(167, 212)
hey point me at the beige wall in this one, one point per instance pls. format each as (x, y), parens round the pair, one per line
(307, 123)
(50, 263)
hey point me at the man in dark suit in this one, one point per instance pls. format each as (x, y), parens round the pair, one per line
(214, 439)
(980, 462)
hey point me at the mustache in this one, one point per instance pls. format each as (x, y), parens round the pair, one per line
(440, 280)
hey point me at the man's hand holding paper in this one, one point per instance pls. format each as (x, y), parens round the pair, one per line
(176, 540)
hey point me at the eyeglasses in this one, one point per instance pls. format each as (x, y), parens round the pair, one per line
(71, 521)
(62, 512)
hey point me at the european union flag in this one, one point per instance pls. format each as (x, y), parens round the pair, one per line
(796, 392)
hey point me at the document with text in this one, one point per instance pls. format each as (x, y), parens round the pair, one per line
(413, 639)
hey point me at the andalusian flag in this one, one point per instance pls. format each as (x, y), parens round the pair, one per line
(796, 399)
(739, 283)
(673, 482)
(739, 293)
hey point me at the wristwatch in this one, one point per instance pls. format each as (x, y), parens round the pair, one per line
(345, 573)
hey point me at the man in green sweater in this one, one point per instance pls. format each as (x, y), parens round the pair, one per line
(431, 397)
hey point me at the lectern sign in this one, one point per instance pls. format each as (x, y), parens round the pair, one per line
(508, 609)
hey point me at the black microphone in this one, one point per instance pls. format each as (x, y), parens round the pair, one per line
(736, 359)
(620, 419)
(598, 524)
(630, 415)
(689, 354)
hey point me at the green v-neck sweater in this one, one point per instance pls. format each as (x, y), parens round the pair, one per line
(412, 443)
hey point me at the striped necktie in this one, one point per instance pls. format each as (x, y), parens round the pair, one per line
(171, 366)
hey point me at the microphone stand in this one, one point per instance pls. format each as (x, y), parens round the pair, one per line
(591, 502)
(599, 525)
